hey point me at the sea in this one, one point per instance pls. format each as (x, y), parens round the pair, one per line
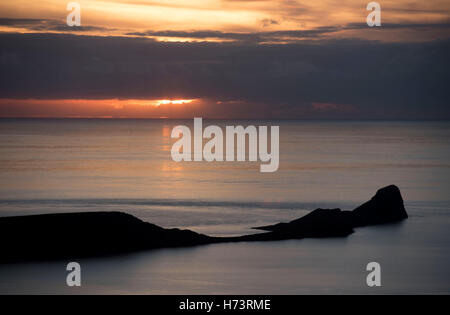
(80, 165)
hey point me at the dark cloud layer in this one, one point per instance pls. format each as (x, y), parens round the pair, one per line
(47, 25)
(292, 35)
(256, 37)
(343, 78)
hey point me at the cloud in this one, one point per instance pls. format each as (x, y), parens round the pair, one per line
(47, 25)
(413, 26)
(254, 37)
(420, 31)
(440, 30)
(268, 22)
(240, 79)
(324, 107)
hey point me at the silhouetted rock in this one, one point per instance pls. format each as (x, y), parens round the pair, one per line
(318, 223)
(75, 235)
(385, 207)
(66, 235)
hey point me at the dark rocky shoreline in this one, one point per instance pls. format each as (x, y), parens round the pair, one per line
(87, 234)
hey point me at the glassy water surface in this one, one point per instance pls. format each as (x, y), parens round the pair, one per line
(125, 165)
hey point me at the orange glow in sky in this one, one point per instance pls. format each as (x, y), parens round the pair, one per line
(104, 108)
(187, 79)
(128, 18)
(174, 102)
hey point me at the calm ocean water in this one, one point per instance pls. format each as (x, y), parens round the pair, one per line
(94, 165)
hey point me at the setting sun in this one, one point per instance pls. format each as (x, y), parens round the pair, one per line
(174, 102)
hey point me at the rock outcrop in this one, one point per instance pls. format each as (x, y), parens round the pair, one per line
(84, 234)
(75, 235)
(385, 207)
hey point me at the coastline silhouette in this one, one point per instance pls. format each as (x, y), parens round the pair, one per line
(88, 234)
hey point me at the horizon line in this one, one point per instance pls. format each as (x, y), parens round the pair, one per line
(218, 118)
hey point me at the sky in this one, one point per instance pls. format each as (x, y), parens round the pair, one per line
(257, 59)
